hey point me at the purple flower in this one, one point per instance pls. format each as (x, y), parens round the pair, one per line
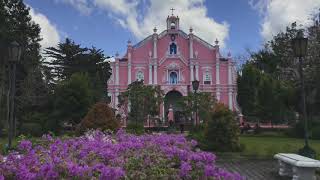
(194, 143)
(184, 169)
(209, 170)
(102, 155)
(47, 171)
(25, 145)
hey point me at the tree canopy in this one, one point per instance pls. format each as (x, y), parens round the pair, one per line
(143, 100)
(269, 83)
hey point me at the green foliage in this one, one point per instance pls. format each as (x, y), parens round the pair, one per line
(40, 95)
(269, 84)
(70, 58)
(221, 132)
(72, 99)
(298, 129)
(16, 25)
(203, 100)
(144, 100)
(263, 97)
(315, 132)
(134, 128)
(34, 129)
(100, 116)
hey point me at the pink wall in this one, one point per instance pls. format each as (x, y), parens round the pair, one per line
(204, 53)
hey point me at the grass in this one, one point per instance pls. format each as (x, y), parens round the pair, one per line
(266, 147)
(255, 146)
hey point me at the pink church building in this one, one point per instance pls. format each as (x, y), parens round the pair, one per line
(172, 59)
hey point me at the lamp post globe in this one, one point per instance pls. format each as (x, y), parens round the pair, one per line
(195, 85)
(300, 46)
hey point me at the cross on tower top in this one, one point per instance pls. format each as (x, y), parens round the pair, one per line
(172, 10)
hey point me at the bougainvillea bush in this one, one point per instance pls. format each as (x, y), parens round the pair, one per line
(99, 155)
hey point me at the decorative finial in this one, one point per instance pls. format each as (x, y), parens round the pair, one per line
(190, 30)
(229, 54)
(154, 29)
(117, 54)
(217, 42)
(129, 42)
(172, 11)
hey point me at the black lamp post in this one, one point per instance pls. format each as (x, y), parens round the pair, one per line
(195, 86)
(300, 44)
(14, 54)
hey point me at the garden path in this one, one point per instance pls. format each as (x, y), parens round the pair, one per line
(252, 169)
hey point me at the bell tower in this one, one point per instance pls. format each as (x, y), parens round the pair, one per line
(172, 21)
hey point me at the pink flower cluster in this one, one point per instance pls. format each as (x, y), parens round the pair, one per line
(99, 155)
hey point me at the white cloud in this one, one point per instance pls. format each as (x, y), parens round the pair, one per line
(80, 5)
(278, 14)
(140, 17)
(49, 33)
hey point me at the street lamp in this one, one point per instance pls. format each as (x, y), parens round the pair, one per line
(195, 86)
(300, 45)
(14, 54)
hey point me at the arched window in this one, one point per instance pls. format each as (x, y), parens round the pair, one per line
(173, 78)
(139, 76)
(207, 78)
(173, 48)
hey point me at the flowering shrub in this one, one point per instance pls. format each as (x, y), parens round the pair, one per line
(100, 116)
(98, 155)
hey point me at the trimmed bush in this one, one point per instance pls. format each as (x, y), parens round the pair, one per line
(315, 132)
(135, 128)
(221, 131)
(33, 129)
(100, 116)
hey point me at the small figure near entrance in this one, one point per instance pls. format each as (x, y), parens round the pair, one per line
(181, 128)
(170, 116)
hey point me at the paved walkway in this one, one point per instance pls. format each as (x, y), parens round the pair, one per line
(252, 169)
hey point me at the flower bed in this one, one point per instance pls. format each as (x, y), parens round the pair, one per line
(98, 155)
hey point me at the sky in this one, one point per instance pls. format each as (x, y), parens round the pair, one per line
(239, 25)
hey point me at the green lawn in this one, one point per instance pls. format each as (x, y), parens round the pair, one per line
(256, 146)
(268, 146)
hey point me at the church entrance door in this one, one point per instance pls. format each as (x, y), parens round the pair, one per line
(172, 98)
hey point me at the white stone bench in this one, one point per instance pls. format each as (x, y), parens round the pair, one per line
(299, 167)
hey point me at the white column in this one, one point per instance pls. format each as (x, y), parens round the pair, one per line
(155, 80)
(191, 73)
(116, 99)
(129, 73)
(230, 73)
(155, 46)
(150, 74)
(191, 47)
(197, 72)
(129, 68)
(230, 100)
(217, 73)
(117, 73)
(218, 94)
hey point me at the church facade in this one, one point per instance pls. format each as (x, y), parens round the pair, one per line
(172, 59)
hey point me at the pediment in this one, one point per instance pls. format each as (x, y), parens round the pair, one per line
(170, 57)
